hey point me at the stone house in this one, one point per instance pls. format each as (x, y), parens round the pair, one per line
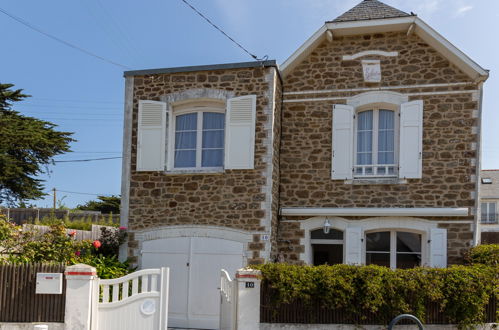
(489, 200)
(361, 148)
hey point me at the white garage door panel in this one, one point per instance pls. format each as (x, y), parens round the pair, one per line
(169, 245)
(195, 264)
(216, 246)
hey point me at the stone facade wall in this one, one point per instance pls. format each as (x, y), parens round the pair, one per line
(416, 64)
(234, 198)
(450, 132)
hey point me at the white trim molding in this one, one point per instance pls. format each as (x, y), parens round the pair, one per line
(380, 88)
(322, 99)
(126, 163)
(377, 97)
(193, 231)
(373, 211)
(369, 52)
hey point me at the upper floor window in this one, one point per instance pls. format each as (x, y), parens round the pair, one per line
(393, 249)
(199, 140)
(489, 212)
(204, 134)
(378, 135)
(376, 143)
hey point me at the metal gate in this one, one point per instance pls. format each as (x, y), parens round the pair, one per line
(135, 301)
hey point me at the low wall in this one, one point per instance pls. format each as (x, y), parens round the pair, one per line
(30, 326)
(283, 326)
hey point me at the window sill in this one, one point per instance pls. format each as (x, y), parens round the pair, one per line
(376, 181)
(195, 171)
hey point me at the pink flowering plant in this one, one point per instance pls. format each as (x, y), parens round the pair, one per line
(18, 245)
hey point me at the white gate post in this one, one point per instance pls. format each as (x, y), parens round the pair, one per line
(248, 299)
(79, 297)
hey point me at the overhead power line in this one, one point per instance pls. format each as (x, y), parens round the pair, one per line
(31, 26)
(85, 160)
(223, 32)
(83, 193)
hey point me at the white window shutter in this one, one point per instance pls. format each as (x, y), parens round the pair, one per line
(151, 136)
(240, 132)
(353, 245)
(438, 248)
(411, 140)
(342, 158)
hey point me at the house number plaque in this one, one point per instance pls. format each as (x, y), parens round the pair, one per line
(250, 285)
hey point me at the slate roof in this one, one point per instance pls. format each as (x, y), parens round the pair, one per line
(370, 9)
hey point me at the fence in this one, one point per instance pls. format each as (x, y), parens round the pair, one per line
(30, 215)
(314, 313)
(80, 235)
(18, 301)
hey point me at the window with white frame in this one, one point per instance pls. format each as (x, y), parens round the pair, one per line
(196, 134)
(394, 249)
(376, 143)
(199, 139)
(377, 135)
(327, 248)
(489, 212)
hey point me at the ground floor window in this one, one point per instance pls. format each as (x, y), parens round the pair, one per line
(327, 248)
(395, 249)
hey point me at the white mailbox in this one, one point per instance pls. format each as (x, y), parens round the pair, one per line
(49, 283)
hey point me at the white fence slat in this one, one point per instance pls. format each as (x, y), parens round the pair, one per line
(154, 283)
(125, 290)
(116, 291)
(135, 286)
(145, 284)
(105, 293)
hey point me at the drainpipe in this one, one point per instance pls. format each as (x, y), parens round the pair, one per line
(476, 225)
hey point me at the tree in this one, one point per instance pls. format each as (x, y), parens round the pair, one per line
(27, 147)
(104, 204)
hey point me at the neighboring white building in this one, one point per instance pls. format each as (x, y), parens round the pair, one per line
(489, 202)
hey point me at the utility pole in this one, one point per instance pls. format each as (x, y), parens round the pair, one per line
(55, 198)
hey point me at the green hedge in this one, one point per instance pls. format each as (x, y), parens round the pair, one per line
(463, 292)
(485, 254)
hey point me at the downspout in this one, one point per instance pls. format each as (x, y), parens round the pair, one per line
(477, 227)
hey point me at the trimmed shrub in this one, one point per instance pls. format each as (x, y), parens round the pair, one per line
(485, 254)
(462, 292)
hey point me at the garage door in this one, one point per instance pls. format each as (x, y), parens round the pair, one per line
(195, 264)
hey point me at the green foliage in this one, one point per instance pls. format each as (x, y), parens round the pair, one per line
(485, 254)
(107, 266)
(104, 204)
(56, 245)
(27, 146)
(463, 292)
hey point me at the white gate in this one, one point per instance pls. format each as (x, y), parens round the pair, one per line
(228, 296)
(135, 301)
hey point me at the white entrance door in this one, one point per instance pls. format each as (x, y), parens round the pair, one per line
(195, 264)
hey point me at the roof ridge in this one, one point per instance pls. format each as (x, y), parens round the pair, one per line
(370, 9)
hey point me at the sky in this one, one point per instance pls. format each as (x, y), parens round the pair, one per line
(84, 94)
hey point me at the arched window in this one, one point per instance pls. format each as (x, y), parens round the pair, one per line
(199, 136)
(327, 248)
(376, 143)
(395, 249)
